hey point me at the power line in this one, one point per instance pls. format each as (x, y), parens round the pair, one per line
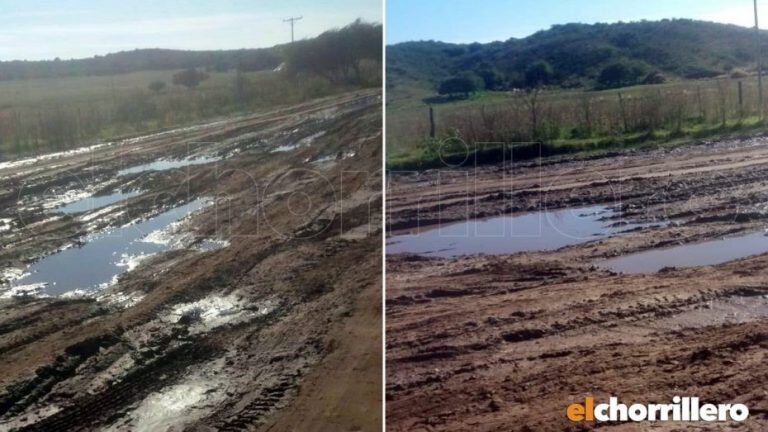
(292, 20)
(759, 65)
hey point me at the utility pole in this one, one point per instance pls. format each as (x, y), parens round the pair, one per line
(292, 20)
(759, 66)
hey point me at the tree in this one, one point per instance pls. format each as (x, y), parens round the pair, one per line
(346, 55)
(462, 84)
(157, 86)
(539, 74)
(621, 73)
(614, 75)
(492, 79)
(190, 78)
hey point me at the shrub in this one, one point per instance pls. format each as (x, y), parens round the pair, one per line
(190, 78)
(654, 77)
(619, 74)
(459, 85)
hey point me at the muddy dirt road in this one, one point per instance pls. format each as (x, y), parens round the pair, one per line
(507, 341)
(221, 295)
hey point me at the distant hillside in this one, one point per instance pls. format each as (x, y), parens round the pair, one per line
(334, 49)
(577, 55)
(143, 59)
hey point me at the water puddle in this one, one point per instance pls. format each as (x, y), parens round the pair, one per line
(102, 258)
(211, 245)
(95, 202)
(689, 255)
(306, 141)
(168, 164)
(50, 156)
(545, 230)
(285, 148)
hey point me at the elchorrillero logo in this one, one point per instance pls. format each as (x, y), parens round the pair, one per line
(681, 409)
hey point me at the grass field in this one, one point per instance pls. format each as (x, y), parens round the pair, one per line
(565, 121)
(42, 115)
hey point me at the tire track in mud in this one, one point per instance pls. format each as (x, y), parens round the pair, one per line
(470, 350)
(424, 201)
(266, 360)
(88, 412)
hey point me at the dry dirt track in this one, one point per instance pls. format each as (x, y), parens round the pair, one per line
(506, 342)
(296, 307)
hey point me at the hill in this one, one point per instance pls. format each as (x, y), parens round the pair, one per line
(141, 60)
(582, 55)
(334, 49)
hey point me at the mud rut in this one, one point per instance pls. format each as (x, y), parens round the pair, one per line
(87, 364)
(507, 342)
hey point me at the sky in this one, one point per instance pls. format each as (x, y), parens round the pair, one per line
(46, 29)
(464, 21)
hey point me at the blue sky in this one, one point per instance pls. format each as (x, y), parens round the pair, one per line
(45, 29)
(463, 21)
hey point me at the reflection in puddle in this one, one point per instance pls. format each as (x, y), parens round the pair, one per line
(102, 258)
(689, 255)
(95, 202)
(167, 164)
(546, 230)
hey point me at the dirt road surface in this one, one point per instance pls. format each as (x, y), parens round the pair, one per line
(507, 342)
(269, 327)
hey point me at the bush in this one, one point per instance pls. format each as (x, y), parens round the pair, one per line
(738, 73)
(697, 72)
(459, 85)
(492, 79)
(539, 74)
(654, 77)
(190, 78)
(620, 74)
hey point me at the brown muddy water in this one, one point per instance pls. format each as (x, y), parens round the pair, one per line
(690, 255)
(538, 231)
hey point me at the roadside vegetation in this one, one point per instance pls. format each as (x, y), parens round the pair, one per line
(548, 122)
(58, 105)
(574, 88)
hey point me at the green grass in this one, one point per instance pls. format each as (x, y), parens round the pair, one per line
(428, 157)
(571, 121)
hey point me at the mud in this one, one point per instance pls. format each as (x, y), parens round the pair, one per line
(507, 341)
(226, 326)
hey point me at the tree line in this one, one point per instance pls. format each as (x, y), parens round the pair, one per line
(592, 56)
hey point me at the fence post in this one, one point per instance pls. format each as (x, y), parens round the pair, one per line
(431, 122)
(741, 102)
